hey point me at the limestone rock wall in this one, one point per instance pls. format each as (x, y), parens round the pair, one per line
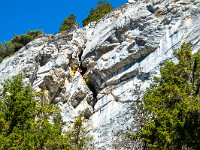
(120, 54)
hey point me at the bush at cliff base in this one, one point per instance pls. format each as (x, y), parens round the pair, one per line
(28, 121)
(171, 106)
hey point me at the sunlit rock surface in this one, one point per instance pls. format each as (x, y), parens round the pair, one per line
(120, 54)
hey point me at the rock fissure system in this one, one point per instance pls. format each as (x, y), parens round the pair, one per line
(120, 54)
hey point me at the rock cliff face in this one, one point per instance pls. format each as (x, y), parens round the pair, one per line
(119, 55)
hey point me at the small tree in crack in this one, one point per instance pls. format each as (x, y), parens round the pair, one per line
(77, 134)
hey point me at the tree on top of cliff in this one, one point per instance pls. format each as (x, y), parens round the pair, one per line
(22, 40)
(6, 49)
(100, 10)
(17, 42)
(171, 106)
(71, 20)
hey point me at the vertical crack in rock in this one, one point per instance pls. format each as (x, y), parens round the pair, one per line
(84, 69)
(89, 84)
(92, 88)
(79, 56)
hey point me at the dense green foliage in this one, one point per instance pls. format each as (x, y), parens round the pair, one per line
(27, 121)
(22, 40)
(171, 105)
(17, 42)
(71, 20)
(6, 49)
(100, 10)
(77, 136)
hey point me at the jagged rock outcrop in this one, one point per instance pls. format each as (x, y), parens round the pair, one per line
(120, 54)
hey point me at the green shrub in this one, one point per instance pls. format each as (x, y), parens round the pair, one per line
(100, 10)
(17, 42)
(22, 40)
(6, 49)
(1, 59)
(171, 106)
(77, 136)
(25, 120)
(71, 20)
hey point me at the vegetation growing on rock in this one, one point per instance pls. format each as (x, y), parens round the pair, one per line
(17, 42)
(27, 121)
(22, 40)
(77, 137)
(171, 106)
(6, 49)
(73, 72)
(71, 20)
(100, 10)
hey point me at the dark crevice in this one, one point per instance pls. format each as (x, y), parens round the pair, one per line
(84, 69)
(56, 95)
(79, 56)
(42, 61)
(140, 41)
(44, 58)
(92, 88)
(89, 83)
(150, 9)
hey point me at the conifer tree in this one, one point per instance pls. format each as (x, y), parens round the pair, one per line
(100, 10)
(171, 106)
(77, 136)
(20, 41)
(17, 42)
(6, 49)
(71, 20)
(28, 121)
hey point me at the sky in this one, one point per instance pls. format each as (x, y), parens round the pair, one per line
(19, 16)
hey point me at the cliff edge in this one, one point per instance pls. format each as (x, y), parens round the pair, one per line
(119, 55)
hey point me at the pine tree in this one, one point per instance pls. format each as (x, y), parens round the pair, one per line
(28, 121)
(71, 20)
(22, 40)
(100, 10)
(77, 136)
(171, 106)
(17, 42)
(6, 49)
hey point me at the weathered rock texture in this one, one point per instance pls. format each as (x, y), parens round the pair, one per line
(120, 54)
